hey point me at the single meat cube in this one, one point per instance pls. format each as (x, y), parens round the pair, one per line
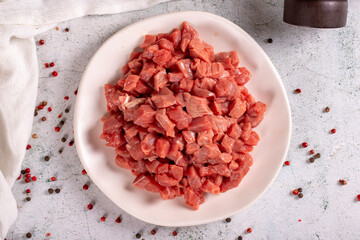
(176, 172)
(152, 166)
(175, 77)
(150, 51)
(234, 131)
(184, 67)
(134, 148)
(200, 124)
(166, 181)
(254, 121)
(131, 82)
(246, 131)
(241, 75)
(197, 50)
(155, 128)
(111, 124)
(165, 122)
(207, 152)
(142, 88)
(196, 106)
(210, 187)
(161, 57)
(189, 136)
(165, 98)
(175, 37)
(180, 117)
(140, 167)
(135, 55)
(233, 165)
(162, 168)
(162, 147)
(191, 148)
(232, 56)
(148, 143)
(180, 99)
(192, 198)
(227, 143)
(253, 139)
(149, 39)
(193, 178)
(160, 80)
(217, 70)
(226, 88)
(166, 44)
(125, 162)
(187, 34)
(115, 139)
(135, 66)
(144, 115)
(147, 72)
(141, 181)
(153, 186)
(131, 130)
(221, 123)
(207, 83)
(186, 84)
(205, 137)
(256, 109)
(237, 108)
(210, 51)
(203, 93)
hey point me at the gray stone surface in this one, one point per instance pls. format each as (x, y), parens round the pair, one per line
(323, 63)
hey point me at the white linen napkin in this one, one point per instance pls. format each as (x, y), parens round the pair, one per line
(20, 21)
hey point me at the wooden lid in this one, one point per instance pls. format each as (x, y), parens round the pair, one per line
(316, 13)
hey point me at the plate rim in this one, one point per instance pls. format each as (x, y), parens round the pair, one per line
(264, 56)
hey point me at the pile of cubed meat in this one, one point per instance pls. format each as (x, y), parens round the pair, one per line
(181, 119)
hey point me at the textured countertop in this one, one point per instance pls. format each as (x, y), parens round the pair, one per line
(324, 64)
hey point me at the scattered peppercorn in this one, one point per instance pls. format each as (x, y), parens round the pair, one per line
(342, 182)
(57, 129)
(62, 122)
(83, 172)
(28, 191)
(28, 175)
(103, 218)
(311, 160)
(304, 144)
(28, 199)
(90, 206)
(28, 235)
(41, 107)
(333, 131)
(23, 172)
(287, 163)
(228, 220)
(300, 189)
(41, 42)
(67, 30)
(35, 113)
(312, 151)
(298, 90)
(27, 170)
(75, 93)
(27, 180)
(34, 136)
(48, 234)
(44, 103)
(270, 40)
(36, 108)
(46, 65)
(66, 98)
(53, 179)
(60, 151)
(46, 158)
(34, 178)
(49, 109)
(153, 232)
(175, 233)
(71, 143)
(52, 64)
(50, 191)
(56, 28)
(28, 147)
(86, 187)
(327, 109)
(66, 110)
(295, 192)
(60, 115)
(63, 139)
(300, 195)
(43, 119)
(118, 220)
(249, 230)
(358, 197)
(54, 73)
(138, 235)
(318, 155)
(57, 190)
(239, 238)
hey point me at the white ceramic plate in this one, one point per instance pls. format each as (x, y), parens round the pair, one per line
(98, 160)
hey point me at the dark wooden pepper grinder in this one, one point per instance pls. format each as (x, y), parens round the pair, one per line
(316, 13)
